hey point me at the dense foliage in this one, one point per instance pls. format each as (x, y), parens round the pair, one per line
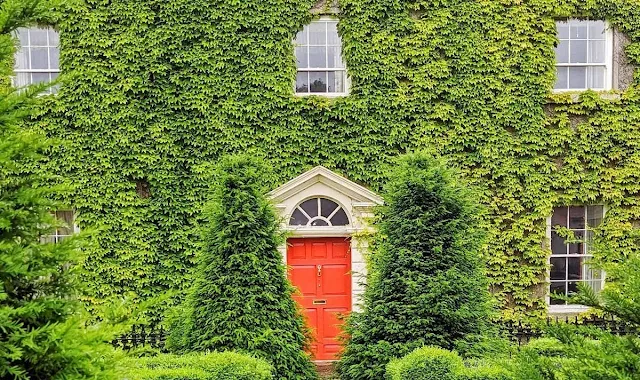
(42, 335)
(434, 363)
(212, 366)
(157, 87)
(241, 298)
(575, 352)
(426, 284)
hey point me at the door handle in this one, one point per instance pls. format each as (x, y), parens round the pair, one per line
(319, 270)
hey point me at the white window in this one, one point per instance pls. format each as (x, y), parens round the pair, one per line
(38, 57)
(65, 230)
(584, 55)
(319, 212)
(569, 259)
(321, 70)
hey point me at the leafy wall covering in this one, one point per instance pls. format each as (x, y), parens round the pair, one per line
(154, 88)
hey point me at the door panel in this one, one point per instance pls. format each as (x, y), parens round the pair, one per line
(320, 269)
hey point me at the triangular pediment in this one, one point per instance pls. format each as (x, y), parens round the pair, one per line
(320, 174)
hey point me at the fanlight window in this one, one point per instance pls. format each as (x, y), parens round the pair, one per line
(319, 212)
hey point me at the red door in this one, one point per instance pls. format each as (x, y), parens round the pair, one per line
(320, 269)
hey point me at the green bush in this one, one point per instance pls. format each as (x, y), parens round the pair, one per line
(478, 346)
(241, 298)
(426, 284)
(43, 332)
(486, 372)
(212, 366)
(545, 347)
(426, 363)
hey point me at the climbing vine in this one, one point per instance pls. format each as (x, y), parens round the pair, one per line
(155, 88)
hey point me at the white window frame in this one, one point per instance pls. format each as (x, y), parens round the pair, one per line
(347, 80)
(57, 237)
(53, 89)
(608, 80)
(566, 309)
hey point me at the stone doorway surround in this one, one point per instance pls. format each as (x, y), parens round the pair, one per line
(357, 201)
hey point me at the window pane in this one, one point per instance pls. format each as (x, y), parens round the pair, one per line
(558, 268)
(340, 218)
(310, 206)
(318, 81)
(595, 215)
(336, 81)
(572, 288)
(578, 247)
(301, 37)
(575, 268)
(560, 289)
(55, 88)
(54, 38)
(597, 51)
(22, 79)
(597, 77)
(318, 57)
(22, 59)
(558, 245)
(334, 57)
(301, 57)
(562, 78)
(332, 34)
(302, 82)
(298, 218)
(40, 77)
(578, 52)
(597, 30)
(578, 29)
(39, 58)
(562, 52)
(559, 217)
(563, 29)
(318, 33)
(54, 58)
(576, 217)
(327, 207)
(65, 217)
(38, 37)
(577, 77)
(23, 36)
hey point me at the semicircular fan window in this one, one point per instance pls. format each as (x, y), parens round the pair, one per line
(319, 212)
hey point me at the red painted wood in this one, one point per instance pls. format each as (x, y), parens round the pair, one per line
(320, 269)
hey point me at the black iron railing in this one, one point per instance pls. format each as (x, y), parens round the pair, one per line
(141, 336)
(521, 333)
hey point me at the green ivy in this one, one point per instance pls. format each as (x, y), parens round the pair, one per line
(154, 88)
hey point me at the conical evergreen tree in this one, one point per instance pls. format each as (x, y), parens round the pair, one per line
(426, 285)
(241, 298)
(41, 330)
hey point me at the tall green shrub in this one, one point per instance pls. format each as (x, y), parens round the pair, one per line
(42, 335)
(426, 284)
(241, 298)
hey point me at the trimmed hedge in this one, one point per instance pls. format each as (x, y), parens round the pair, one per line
(486, 372)
(434, 363)
(212, 366)
(426, 363)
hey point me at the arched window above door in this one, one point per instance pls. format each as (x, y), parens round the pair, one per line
(319, 212)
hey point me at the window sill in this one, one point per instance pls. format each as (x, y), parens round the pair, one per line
(567, 309)
(323, 95)
(576, 96)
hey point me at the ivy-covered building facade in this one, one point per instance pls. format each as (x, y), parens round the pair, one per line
(534, 101)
